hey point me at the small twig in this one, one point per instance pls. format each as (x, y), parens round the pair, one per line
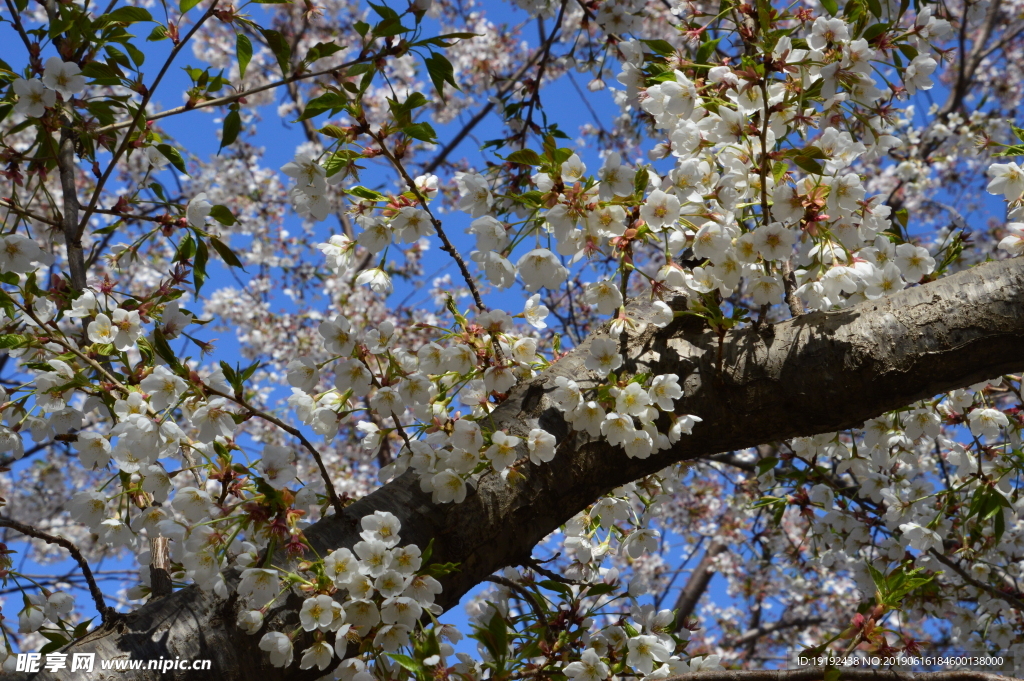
(295, 432)
(527, 596)
(1017, 603)
(4, 203)
(107, 613)
(534, 565)
(135, 121)
(545, 55)
(71, 207)
(160, 569)
(752, 635)
(16, 21)
(129, 216)
(228, 99)
(446, 246)
(796, 308)
(513, 80)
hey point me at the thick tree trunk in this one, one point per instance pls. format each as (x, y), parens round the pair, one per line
(821, 372)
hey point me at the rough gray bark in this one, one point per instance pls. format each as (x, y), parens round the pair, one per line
(819, 373)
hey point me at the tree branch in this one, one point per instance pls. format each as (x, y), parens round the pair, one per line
(752, 635)
(819, 373)
(1015, 601)
(698, 583)
(71, 207)
(107, 614)
(332, 494)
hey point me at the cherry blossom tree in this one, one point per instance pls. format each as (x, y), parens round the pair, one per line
(758, 326)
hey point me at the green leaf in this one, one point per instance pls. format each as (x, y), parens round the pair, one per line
(779, 170)
(556, 586)
(232, 126)
(333, 131)
(279, 46)
(909, 51)
(199, 265)
(812, 152)
(600, 589)
(446, 40)
(389, 27)
(60, 25)
(831, 674)
(125, 15)
(640, 180)
(874, 31)
(441, 569)
(383, 11)
(247, 373)
(54, 644)
(117, 56)
(186, 249)
(660, 47)
(137, 55)
(10, 340)
(1019, 132)
(408, 663)
(229, 373)
(328, 101)
(441, 72)
(83, 628)
(186, 5)
(343, 158)
(999, 526)
(808, 164)
(226, 254)
(102, 74)
(321, 50)
(221, 214)
(706, 50)
(1016, 150)
(499, 631)
(243, 50)
(364, 193)
(157, 34)
(831, 6)
(526, 157)
(163, 348)
(173, 156)
(902, 216)
(421, 131)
